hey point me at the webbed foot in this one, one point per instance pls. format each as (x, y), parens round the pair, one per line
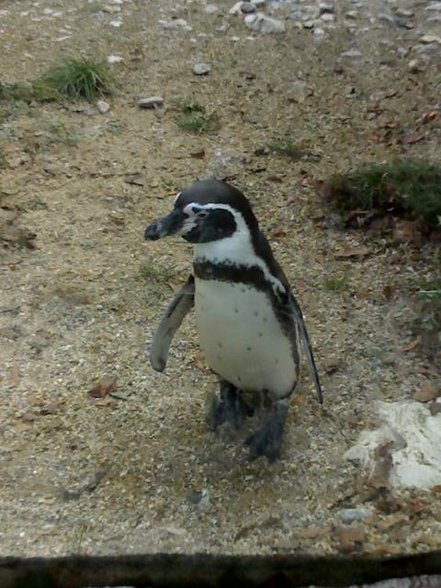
(268, 440)
(230, 408)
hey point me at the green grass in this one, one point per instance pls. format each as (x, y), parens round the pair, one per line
(159, 274)
(337, 283)
(73, 79)
(409, 187)
(195, 118)
(286, 147)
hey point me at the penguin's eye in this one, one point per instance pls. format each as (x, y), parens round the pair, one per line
(202, 214)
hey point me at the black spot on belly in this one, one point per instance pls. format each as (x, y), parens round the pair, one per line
(236, 310)
(256, 313)
(260, 335)
(220, 345)
(249, 348)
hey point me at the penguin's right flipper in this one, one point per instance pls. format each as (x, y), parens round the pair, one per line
(181, 304)
(303, 335)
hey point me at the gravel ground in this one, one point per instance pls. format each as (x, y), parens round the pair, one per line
(138, 470)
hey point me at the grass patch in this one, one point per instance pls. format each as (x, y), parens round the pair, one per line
(195, 118)
(286, 147)
(336, 283)
(73, 79)
(157, 273)
(403, 187)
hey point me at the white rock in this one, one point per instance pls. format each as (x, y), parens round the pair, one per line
(103, 106)
(434, 6)
(327, 17)
(151, 102)
(351, 515)
(319, 33)
(426, 39)
(235, 9)
(352, 54)
(114, 59)
(211, 9)
(260, 23)
(177, 23)
(414, 436)
(201, 69)
(115, 23)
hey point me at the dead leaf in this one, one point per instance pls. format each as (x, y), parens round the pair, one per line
(427, 392)
(350, 533)
(15, 375)
(435, 408)
(104, 387)
(412, 345)
(275, 179)
(429, 540)
(331, 366)
(406, 231)
(353, 252)
(389, 291)
(414, 138)
(380, 550)
(392, 521)
(428, 117)
(198, 154)
(312, 532)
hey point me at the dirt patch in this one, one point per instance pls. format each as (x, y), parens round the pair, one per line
(137, 470)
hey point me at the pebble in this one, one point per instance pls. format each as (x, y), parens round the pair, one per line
(201, 69)
(177, 23)
(247, 7)
(326, 8)
(351, 515)
(211, 9)
(352, 54)
(260, 23)
(414, 66)
(427, 39)
(150, 103)
(114, 59)
(103, 106)
(327, 17)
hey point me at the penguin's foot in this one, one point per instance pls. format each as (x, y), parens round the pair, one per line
(230, 408)
(268, 440)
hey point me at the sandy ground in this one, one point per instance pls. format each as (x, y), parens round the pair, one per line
(139, 471)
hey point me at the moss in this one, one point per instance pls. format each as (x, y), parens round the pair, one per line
(409, 187)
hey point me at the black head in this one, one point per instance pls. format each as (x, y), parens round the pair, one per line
(207, 211)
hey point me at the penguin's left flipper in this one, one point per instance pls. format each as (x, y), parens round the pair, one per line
(268, 440)
(304, 337)
(181, 304)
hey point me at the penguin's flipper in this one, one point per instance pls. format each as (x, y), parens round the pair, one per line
(181, 304)
(304, 337)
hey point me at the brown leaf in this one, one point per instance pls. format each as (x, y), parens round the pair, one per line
(275, 179)
(406, 231)
(430, 540)
(389, 291)
(350, 533)
(427, 392)
(104, 387)
(331, 366)
(435, 408)
(414, 138)
(392, 521)
(312, 532)
(198, 154)
(353, 252)
(412, 345)
(380, 550)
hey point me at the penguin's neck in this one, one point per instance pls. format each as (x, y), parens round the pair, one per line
(235, 250)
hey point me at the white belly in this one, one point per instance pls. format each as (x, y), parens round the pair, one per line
(241, 339)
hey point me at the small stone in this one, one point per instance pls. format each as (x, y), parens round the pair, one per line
(211, 9)
(260, 23)
(427, 392)
(326, 8)
(352, 54)
(248, 8)
(414, 66)
(319, 33)
(352, 515)
(327, 17)
(435, 6)
(177, 23)
(201, 69)
(427, 39)
(404, 12)
(150, 103)
(103, 106)
(236, 9)
(114, 59)
(308, 24)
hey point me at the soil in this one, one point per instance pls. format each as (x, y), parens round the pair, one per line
(138, 470)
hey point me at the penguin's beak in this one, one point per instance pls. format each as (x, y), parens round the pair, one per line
(166, 226)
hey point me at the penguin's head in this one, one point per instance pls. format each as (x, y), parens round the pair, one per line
(207, 211)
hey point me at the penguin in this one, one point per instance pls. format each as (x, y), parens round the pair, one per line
(249, 323)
